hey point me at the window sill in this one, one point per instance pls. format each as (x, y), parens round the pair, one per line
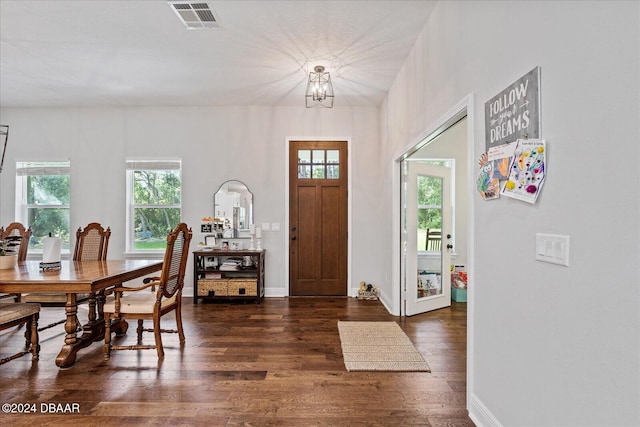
(435, 253)
(37, 256)
(144, 255)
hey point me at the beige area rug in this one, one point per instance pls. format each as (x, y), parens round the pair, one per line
(378, 346)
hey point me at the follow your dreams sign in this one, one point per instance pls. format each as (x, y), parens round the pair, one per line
(515, 112)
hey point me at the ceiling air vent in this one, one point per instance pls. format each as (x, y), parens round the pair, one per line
(194, 15)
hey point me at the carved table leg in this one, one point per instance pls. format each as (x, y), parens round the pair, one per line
(100, 299)
(97, 325)
(92, 307)
(67, 355)
(71, 309)
(93, 330)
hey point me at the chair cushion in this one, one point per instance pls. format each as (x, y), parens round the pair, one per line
(51, 298)
(14, 311)
(138, 302)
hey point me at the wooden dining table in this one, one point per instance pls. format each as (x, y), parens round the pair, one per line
(73, 278)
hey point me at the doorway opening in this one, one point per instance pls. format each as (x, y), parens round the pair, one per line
(434, 224)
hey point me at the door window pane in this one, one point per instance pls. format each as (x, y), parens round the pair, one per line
(429, 229)
(318, 156)
(429, 283)
(333, 156)
(429, 213)
(430, 236)
(304, 156)
(304, 171)
(318, 171)
(429, 191)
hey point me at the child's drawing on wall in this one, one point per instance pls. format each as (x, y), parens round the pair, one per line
(487, 184)
(527, 171)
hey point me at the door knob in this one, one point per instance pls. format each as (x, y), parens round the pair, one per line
(448, 236)
(449, 246)
(293, 237)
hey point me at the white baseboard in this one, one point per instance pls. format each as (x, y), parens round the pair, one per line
(275, 292)
(269, 292)
(480, 414)
(385, 301)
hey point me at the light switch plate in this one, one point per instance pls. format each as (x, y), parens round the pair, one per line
(266, 226)
(553, 248)
(275, 226)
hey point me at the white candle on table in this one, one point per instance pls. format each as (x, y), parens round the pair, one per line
(258, 232)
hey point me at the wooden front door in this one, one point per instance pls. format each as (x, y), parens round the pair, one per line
(318, 218)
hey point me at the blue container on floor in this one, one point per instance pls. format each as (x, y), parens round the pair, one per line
(458, 295)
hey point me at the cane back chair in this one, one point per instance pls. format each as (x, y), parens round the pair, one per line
(149, 305)
(91, 245)
(17, 239)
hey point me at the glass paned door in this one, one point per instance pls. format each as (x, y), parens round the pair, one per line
(427, 236)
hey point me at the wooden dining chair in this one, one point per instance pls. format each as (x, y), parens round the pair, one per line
(136, 303)
(15, 315)
(17, 238)
(434, 239)
(91, 245)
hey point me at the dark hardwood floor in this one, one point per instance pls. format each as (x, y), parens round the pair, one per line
(278, 363)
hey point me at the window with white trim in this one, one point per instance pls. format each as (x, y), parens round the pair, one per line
(154, 200)
(43, 201)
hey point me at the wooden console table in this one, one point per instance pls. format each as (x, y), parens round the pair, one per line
(228, 275)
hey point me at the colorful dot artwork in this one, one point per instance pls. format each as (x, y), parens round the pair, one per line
(527, 171)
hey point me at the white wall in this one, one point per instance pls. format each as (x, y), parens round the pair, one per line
(549, 345)
(215, 144)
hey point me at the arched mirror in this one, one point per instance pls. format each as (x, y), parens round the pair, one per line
(233, 210)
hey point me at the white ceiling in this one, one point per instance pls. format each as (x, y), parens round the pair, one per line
(131, 53)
